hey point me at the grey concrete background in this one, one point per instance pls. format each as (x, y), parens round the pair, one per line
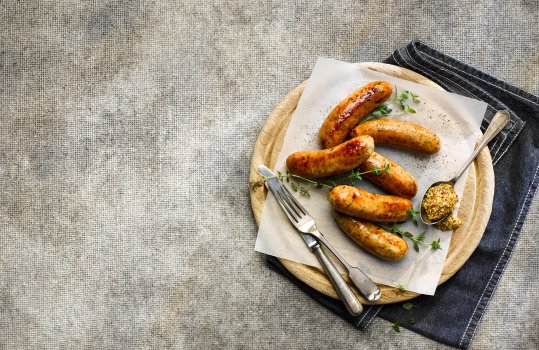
(126, 134)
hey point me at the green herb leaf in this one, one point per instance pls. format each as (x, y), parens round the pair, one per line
(409, 109)
(356, 175)
(407, 234)
(294, 186)
(381, 110)
(408, 306)
(412, 212)
(376, 170)
(411, 321)
(404, 98)
(401, 287)
(395, 229)
(436, 244)
(396, 326)
(386, 167)
(304, 191)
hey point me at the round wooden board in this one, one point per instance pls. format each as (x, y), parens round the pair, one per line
(475, 207)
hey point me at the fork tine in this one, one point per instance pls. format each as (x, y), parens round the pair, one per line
(294, 201)
(286, 206)
(289, 202)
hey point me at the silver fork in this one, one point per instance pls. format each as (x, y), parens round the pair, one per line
(304, 223)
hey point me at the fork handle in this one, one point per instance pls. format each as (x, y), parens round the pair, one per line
(343, 290)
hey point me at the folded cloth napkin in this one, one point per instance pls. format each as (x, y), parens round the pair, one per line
(451, 316)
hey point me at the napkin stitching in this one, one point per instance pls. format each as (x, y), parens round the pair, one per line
(500, 141)
(418, 43)
(469, 82)
(496, 267)
(361, 319)
(418, 65)
(507, 148)
(373, 316)
(473, 76)
(512, 124)
(497, 140)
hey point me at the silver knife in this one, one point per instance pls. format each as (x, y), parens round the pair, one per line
(305, 224)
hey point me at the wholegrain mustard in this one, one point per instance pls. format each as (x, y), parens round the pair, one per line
(439, 201)
(448, 224)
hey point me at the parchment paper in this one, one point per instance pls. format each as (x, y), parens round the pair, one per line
(456, 119)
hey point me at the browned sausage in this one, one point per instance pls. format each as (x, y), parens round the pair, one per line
(400, 134)
(351, 110)
(333, 161)
(396, 180)
(369, 206)
(372, 238)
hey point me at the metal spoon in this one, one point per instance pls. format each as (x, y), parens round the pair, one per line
(499, 121)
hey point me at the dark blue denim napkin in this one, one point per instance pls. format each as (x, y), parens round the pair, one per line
(451, 316)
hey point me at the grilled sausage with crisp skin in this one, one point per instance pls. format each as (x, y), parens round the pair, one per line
(351, 110)
(371, 237)
(399, 133)
(396, 180)
(333, 161)
(369, 206)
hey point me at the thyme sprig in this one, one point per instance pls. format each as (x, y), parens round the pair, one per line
(436, 244)
(404, 98)
(355, 174)
(380, 111)
(415, 240)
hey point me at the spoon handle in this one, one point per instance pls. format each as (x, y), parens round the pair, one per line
(498, 122)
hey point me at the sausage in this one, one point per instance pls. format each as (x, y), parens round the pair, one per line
(351, 110)
(372, 238)
(396, 180)
(333, 161)
(369, 206)
(400, 134)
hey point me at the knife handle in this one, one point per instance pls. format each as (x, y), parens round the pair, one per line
(343, 290)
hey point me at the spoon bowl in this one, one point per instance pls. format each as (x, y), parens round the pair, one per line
(498, 122)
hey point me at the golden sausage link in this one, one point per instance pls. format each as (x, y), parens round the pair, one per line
(333, 161)
(396, 180)
(399, 133)
(345, 116)
(369, 206)
(371, 237)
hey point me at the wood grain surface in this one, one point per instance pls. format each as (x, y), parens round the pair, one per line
(475, 208)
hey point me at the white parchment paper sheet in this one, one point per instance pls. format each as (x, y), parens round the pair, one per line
(456, 119)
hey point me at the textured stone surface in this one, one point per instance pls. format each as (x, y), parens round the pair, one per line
(126, 133)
